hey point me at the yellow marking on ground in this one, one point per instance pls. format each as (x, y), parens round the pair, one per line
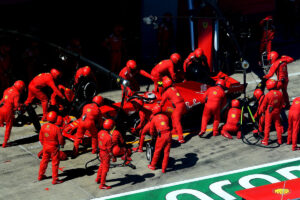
(173, 136)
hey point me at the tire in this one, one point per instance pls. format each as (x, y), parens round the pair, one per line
(149, 151)
(33, 117)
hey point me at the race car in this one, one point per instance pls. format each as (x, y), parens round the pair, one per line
(127, 116)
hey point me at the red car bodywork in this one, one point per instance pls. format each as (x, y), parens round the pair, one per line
(282, 191)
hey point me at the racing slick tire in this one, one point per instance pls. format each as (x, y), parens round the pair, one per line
(33, 117)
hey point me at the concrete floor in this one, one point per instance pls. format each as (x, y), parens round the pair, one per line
(198, 157)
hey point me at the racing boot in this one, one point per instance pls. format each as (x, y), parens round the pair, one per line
(40, 154)
(97, 180)
(181, 141)
(201, 133)
(75, 152)
(295, 148)
(163, 171)
(42, 177)
(226, 134)
(127, 155)
(104, 187)
(151, 167)
(54, 182)
(239, 135)
(265, 142)
(215, 133)
(4, 144)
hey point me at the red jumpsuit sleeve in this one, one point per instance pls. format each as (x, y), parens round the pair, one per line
(60, 138)
(115, 138)
(54, 88)
(152, 127)
(263, 105)
(16, 101)
(171, 71)
(41, 136)
(272, 70)
(142, 119)
(77, 77)
(164, 98)
(145, 74)
(109, 145)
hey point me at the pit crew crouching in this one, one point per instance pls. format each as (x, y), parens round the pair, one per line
(118, 142)
(233, 120)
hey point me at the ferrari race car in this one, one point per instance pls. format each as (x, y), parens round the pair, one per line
(127, 117)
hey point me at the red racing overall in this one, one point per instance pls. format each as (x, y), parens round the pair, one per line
(164, 68)
(118, 141)
(50, 137)
(232, 124)
(145, 114)
(91, 115)
(271, 106)
(105, 154)
(172, 94)
(215, 100)
(128, 74)
(280, 68)
(294, 123)
(159, 125)
(10, 103)
(34, 91)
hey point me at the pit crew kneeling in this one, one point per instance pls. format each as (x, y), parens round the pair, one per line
(233, 120)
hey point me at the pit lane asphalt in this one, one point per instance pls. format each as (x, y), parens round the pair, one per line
(198, 157)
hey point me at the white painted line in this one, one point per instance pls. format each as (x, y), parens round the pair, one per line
(35, 156)
(196, 179)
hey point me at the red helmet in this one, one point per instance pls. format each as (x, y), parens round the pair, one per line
(273, 56)
(271, 84)
(235, 103)
(175, 57)
(220, 82)
(198, 53)
(59, 120)
(131, 64)
(55, 73)
(19, 85)
(108, 124)
(258, 93)
(98, 100)
(156, 109)
(52, 116)
(166, 82)
(86, 71)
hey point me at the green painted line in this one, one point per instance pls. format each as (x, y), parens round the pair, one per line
(211, 187)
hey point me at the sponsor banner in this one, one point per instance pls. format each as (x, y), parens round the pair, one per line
(218, 186)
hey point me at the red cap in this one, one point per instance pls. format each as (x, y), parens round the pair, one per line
(19, 85)
(220, 82)
(98, 100)
(198, 53)
(271, 84)
(175, 57)
(166, 82)
(52, 117)
(131, 64)
(108, 124)
(86, 71)
(258, 93)
(235, 103)
(55, 73)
